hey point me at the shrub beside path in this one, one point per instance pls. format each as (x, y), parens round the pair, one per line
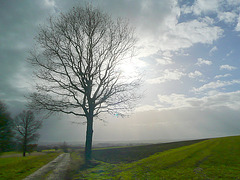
(56, 169)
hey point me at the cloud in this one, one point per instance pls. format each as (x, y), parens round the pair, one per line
(213, 50)
(203, 62)
(186, 34)
(237, 28)
(175, 101)
(201, 7)
(167, 75)
(228, 54)
(165, 58)
(183, 116)
(218, 8)
(158, 25)
(233, 2)
(21, 20)
(215, 85)
(205, 6)
(227, 67)
(181, 53)
(50, 3)
(149, 17)
(227, 17)
(164, 61)
(194, 74)
(222, 76)
(145, 108)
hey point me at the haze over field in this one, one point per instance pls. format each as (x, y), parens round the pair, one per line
(188, 53)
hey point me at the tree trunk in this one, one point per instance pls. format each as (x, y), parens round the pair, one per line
(24, 146)
(88, 144)
(24, 149)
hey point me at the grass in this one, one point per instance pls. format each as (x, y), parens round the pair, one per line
(9, 153)
(20, 167)
(210, 159)
(49, 150)
(76, 163)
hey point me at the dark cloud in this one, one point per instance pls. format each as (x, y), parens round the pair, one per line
(18, 26)
(19, 20)
(147, 16)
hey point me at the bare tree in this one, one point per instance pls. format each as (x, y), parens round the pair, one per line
(78, 66)
(26, 127)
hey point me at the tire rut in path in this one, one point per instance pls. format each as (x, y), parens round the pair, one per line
(58, 167)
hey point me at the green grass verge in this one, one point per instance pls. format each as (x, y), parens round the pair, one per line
(76, 163)
(20, 167)
(211, 159)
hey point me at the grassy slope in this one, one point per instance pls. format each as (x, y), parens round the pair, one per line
(211, 159)
(20, 167)
(134, 153)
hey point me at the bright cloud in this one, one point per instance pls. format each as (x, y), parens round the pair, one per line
(194, 74)
(222, 76)
(164, 61)
(201, 62)
(167, 75)
(227, 17)
(230, 100)
(205, 6)
(227, 67)
(185, 34)
(173, 100)
(50, 3)
(237, 28)
(215, 85)
(145, 108)
(165, 58)
(213, 50)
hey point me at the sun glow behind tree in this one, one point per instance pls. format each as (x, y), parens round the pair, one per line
(79, 67)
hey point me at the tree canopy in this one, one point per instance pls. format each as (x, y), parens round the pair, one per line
(26, 127)
(77, 66)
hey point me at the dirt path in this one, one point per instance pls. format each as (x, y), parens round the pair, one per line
(53, 170)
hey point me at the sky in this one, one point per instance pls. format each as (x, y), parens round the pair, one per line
(187, 52)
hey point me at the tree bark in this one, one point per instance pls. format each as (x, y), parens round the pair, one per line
(88, 143)
(24, 149)
(25, 143)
